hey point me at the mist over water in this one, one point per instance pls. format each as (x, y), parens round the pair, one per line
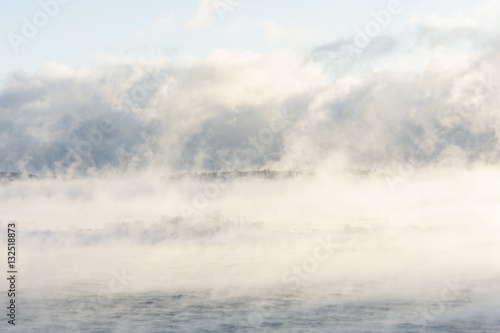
(326, 167)
(325, 251)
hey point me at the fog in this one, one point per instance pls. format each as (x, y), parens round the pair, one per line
(244, 236)
(255, 186)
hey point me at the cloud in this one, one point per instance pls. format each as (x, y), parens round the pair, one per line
(222, 110)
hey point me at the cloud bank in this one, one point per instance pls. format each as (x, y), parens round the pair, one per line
(237, 109)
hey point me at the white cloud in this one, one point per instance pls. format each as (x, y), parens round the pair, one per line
(204, 109)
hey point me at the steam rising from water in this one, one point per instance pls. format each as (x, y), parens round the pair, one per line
(271, 247)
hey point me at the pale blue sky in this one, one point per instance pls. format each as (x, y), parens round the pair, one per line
(85, 32)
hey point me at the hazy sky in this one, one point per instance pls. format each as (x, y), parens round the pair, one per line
(85, 32)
